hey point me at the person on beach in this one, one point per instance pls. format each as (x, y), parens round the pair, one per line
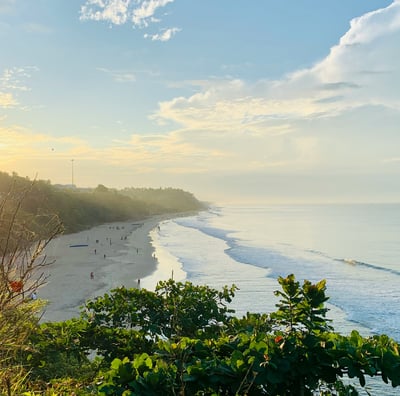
(91, 275)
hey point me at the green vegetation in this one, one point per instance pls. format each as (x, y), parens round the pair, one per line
(80, 209)
(23, 238)
(168, 200)
(181, 339)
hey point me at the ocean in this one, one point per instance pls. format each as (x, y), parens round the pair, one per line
(356, 248)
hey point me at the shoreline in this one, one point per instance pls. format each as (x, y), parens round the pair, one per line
(90, 263)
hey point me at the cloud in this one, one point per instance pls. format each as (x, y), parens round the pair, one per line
(338, 117)
(305, 121)
(144, 14)
(13, 78)
(310, 120)
(12, 83)
(7, 100)
(371, 42)
(30, 152)
(166, 35)
(22, 144)
(339, 85)
(113, 11)
(372, 25)
(141, 13)
(119, 76)
(330, 99)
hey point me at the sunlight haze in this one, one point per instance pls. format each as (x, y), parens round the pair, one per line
(235, 101)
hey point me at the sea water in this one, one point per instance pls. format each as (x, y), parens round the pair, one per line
(356, 248)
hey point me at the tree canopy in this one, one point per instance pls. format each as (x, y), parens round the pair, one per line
(80, 209)
(182, 339)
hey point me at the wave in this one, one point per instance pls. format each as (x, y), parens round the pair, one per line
(354, 262)
(197, 224)
(316, 252)
(357, 287)
(367, 265)
(261, 257)
(351, 282)
(310, 264)
(215, 210)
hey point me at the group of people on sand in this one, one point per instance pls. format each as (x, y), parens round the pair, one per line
(110, 242)
(92, 276)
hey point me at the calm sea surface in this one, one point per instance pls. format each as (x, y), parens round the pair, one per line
(356, 248)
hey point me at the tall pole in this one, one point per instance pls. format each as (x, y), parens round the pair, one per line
(72, 171)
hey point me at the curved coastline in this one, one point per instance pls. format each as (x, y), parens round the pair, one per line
(92, 262)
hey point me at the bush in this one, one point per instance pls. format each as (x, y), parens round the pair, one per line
(23, 239)
(293, 351)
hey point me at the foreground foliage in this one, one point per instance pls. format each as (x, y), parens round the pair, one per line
(297, 355)
(183, 340)
(128, 321)
(23, 238)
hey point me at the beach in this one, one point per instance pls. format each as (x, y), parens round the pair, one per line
(92, 262)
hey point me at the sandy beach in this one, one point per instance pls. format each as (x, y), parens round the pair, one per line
(92, 262)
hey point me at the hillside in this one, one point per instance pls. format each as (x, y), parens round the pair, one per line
(80, 209)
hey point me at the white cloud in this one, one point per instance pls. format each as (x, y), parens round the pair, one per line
(7, 100)
(310, 120)
(366, 56)
(113, 11)
(12, 82)
(118, 75)
(362, 70)
(166, 35)
(341, 115)
(373, 25)
(14, 78)
(142, 13)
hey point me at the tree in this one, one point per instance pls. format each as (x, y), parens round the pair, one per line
(101, 188)
(292, 352)
(129, 321)
(23, 238)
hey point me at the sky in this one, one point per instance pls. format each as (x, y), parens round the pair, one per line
(259, 101)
